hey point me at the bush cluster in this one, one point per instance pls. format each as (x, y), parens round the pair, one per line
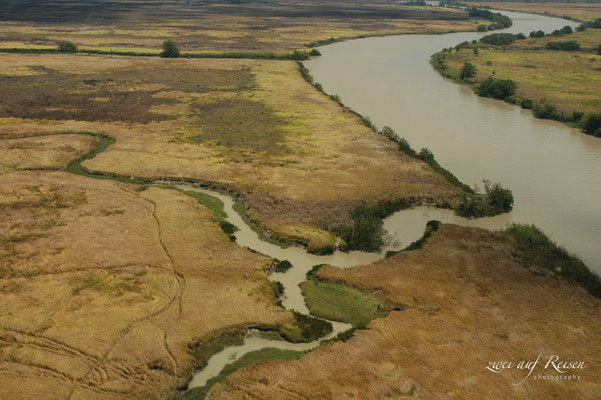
(67, 47)
(566, 30)
(468, 70)
(495, 200)
(537, 34)
(170, 49)
(502, 39)
(592, 124)
(570, 45)
(545, 111)
(499, 21)
(499, 89)
(366, 232)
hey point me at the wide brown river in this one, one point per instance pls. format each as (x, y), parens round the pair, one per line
(553, 170)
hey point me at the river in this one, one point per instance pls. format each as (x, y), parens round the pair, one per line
(553, 170)
(550, 167)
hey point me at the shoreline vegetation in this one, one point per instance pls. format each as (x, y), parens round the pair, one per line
(326, 297)
(521, 70)
(366, 232)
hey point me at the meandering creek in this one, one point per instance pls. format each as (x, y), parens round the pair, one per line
(390, 79)
(554, 171)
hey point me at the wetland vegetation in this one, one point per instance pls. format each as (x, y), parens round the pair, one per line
(534, 73)
(116, 284)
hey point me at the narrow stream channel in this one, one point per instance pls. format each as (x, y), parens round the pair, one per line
(399, 57)
(406, 226)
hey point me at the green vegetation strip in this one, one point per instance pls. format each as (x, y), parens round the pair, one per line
(535, 249)
(261, 55)
(431, 227)
(342, 303)
(252, 358)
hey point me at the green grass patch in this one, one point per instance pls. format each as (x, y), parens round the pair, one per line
(342, 303)
(210, 202)
(305, 329)
(252, 358)
(535, 249)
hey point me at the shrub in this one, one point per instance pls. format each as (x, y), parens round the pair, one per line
(281, 266)
(501, 39)
(566, 30)
(570, 45)
(405, 147)
(306, 329)
(170, 49)
(67, 47)
(228, 227)
(599, 50)
(545, 111)
(305, 73)
(468, 70)
(527, 104)
(537, 34)
(592, 124)
(495, 200)
(499, 20)
(577, 116)
(426, 155)
(314, 52)
(482, 28)
(299, 55)
(366, 231)
(496, 88)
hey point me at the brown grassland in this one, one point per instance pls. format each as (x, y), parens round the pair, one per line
(253, 128)
(568, 80)
(466, 302)
(279, 27)
(105, 287)
(577, 11)
(43, 152)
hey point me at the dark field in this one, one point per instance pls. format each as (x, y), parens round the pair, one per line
(222, 121)
(118, 96)
(277, 27)
(90, 12)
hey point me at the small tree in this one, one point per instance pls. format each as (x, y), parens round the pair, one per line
(170, 49)
(426, 155)
(67, 47)
(467, 71)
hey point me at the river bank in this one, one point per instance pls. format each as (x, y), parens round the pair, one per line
(475, 138)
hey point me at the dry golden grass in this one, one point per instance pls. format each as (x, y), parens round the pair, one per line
(578, 11)
(297, 159)
(105, 286)
(43, 152)
(466, 302)
(568, 80)
(201, 27)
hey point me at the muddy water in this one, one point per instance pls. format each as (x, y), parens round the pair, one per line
(553, 170)
(406, 226)
(390, 80)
